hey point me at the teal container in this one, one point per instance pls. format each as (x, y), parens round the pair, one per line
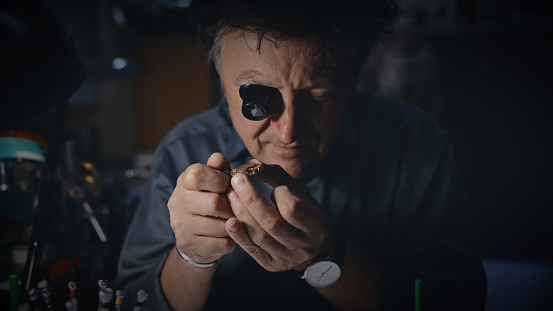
(21, 161)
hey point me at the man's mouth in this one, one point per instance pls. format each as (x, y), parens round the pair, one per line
(288, 150)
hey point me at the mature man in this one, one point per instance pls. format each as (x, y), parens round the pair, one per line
(358, 196)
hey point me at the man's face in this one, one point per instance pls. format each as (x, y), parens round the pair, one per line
(313, 98)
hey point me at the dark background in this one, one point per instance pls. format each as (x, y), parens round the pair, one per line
(481, 68)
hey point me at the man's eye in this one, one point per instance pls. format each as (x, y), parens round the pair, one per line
(256, 100)
(318, 95)
(258, 93)
(321, 95)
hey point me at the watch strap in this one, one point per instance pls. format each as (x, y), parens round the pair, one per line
(338, 250)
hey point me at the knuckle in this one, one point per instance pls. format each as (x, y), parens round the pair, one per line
(252, 250)
(172, 203)
(228, 245)
(221, 202)
(319, 238)
(184, 244)
(192, 174)
(302, 254)
(291, 209)
(241, 213)
(310, 254)
(176, 224)
(275, 227)
(247, 198)
(213, 200)
(288, 265)
(260, 239)
(222, 179)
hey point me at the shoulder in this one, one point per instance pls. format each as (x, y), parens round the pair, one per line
(200, 126)
(392, 118)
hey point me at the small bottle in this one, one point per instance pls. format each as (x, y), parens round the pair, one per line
(118, 299)
(72, 300)
(45, 292)
(70, 306)
(46, 295)
(105, 296)
(33, 297)
(101, 284)
(141, 296)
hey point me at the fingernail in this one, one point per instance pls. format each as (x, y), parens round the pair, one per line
(233, 227)
(232, 196)
(238, 182)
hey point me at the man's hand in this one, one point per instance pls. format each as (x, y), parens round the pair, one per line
(282, 238)
(199, 208)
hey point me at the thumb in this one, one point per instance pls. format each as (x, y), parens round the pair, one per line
(218, 161)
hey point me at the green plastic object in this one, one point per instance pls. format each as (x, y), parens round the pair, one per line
(418, 306)
(14, 292)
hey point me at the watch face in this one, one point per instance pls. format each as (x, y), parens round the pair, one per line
(322, 274)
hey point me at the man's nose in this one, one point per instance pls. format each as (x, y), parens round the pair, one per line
(286, 122)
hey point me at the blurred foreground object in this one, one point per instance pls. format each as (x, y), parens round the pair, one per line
(40, 68)
(40, 71)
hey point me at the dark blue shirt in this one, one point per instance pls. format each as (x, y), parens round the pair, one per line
(389, 185)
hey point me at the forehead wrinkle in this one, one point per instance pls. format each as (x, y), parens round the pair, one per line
(287, 63)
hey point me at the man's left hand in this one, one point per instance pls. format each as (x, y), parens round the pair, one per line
(282, 238)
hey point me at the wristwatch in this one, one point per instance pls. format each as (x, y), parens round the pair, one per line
(326, 270)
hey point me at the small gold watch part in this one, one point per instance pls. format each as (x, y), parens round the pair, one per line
(249, 169)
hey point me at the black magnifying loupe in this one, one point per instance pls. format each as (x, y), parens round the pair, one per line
(256, 100)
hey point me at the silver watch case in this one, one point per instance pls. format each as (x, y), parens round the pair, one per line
(322, 273)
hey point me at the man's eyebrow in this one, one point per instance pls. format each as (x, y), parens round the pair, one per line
(252, 77)
(247, 77)
(321, 83)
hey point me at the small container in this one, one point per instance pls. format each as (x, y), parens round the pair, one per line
(21, 160)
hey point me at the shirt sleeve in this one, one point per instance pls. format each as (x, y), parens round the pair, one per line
(435, 242)
(147, 244)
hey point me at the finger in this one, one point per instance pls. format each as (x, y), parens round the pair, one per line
(237, 232)
(262, 212)
(258, 235)
(287, 195)
(276, 176)
(200, 203)
(218, 161)
(273, 174)
(207, 226)
(301, 212)
(200, 177)
(186, 225)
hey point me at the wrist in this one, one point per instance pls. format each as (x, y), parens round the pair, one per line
(194, 263)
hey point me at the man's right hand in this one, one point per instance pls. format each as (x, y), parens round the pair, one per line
(199, 209)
